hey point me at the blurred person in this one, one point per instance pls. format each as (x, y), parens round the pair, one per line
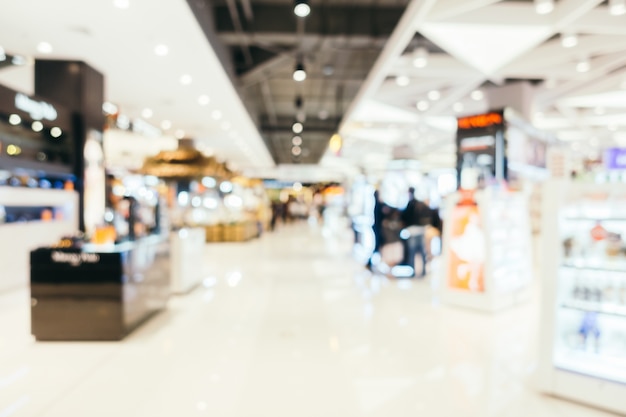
(380, 209)
(416, 217)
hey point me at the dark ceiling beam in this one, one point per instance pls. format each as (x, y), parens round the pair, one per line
(234, 16)
(247, 10)
(326, 20)
(288, 40)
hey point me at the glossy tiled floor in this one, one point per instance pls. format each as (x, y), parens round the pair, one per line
(288, 325)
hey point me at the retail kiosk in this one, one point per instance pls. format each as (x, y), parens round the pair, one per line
(583, 326)
(98, 292)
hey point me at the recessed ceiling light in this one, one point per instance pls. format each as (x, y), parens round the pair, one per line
(544, 6)
(15, 119)
(37, 126)
(420, 57)
(458, 107)
(56, 132)
(161, 50)
(296, 141)
(296, 150)
(569, 40)
(166, 124)
(477, 95)
(204, 100)
(299, 74)
(434, 95)
(302, 8)
(297, 128)
(216, 114)
(44, 48)
(186, 79)
(583, 65)
(121, 4)
(179, 134)
(403, 80)
(147, 113)
(323, 114)
(617, 7)
(422, 105)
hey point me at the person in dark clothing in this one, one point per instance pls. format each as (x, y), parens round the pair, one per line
(416, 216)
(377, 226)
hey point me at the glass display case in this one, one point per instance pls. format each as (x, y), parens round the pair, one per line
(584, 326)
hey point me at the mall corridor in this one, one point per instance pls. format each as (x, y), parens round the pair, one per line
(286, 325)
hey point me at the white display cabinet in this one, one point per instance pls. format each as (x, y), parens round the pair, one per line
(20, 235)
(487, 252)
(186, 258)
(583, 333)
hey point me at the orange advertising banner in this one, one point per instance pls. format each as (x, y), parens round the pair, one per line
(467, 249)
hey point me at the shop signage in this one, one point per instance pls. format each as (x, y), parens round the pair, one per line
(38, 110)
(615, 158)
(480, 121)
(74, 258)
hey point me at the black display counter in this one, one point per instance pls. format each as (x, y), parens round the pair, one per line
(98, 292)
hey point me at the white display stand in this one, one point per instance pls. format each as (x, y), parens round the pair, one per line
(496, 243)
(186, 254)
(18, 239)
(583, 326)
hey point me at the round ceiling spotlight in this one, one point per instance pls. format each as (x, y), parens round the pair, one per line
(299, 74)
(297, 128)
(434, 95)
(403, 80)
(422, 105)
(617, 7)
(569, 40)
(583, 65)
(544, 6)
(296, 151)
(301, 8)
(420, 57)
(477, 95)
(296, 141)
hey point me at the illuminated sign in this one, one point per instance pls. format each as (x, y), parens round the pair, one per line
(74, 259)
(37, 109)
(479, 121)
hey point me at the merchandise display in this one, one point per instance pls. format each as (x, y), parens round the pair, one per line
(487, 253)
(584, 326)
(30, 218)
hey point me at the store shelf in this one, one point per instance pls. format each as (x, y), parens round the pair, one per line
(594, 307)
(594, 219)
(609, 368)
(617, 267)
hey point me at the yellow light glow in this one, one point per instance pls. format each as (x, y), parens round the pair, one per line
(14, 150)
(336, 143)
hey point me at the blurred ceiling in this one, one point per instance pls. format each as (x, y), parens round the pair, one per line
(564, 69)
(263, 41)
(228, 81)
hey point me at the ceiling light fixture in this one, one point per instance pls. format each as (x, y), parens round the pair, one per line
(617, 7)
(37, 126)
(121, 4)
(434, 95)
(179, 134)
(477, 95)
(161, 50)
(147, 113)
(44, 48)
(297, 128)
(323, 114)
(109, 108)
(185, 79)
(166, 124)
(299, 74)
(544, 6)
(301, 8)
(296, 151)
(583, 65)
(420, 57)
(15, 119)
(296, 141)
(569, 40)
(56, 132)
(403, 80)
(301, 116)
(422, 105)
(204, 100)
